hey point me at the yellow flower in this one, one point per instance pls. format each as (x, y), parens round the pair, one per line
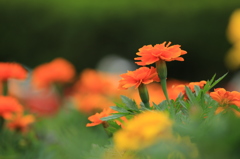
(232, 58)
(233, 31)
(143, 130)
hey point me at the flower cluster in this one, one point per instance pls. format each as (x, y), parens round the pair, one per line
(191, 86)
(154, 125)
(11, 111)
(158, 54)
(93, 84)
(157, 117)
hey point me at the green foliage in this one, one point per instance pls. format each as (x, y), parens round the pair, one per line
(16, 145)
(128, 107)
(129, 103)
(210, 84)
(62, 136)
(179, 109)
(115, 116)
(113, 127)
(96, 152)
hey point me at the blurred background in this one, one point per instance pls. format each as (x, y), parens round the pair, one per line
(33, 32)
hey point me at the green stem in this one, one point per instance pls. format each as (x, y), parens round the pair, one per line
(164, 88)
(59, 90)
(105, 126)
(162, 74)
(143, 93)
(1, 123)
(5, 88)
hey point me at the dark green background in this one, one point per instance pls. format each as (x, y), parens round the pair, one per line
(34, 32)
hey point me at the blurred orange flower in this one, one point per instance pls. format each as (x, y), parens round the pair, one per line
(96, 119)
(95, 82)
(11, 70)
(151, 54)
(226, 98)
(21, 123)
(181, 87)
(87, 103)
(201, 84)
(95, 90)
(135, 78)
(58, 70)
(9, 106)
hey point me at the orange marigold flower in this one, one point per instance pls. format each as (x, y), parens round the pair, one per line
(143, 75)
(151, 54)
(226, 98)
(96, 119)
(12, 70)
(9, 106)
(21, 123)
(58, 70)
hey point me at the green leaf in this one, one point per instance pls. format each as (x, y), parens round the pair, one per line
(190, 95)
(121, 105)
(120, 110)
(172, 109)
(212, 79)
(208, 100)
(218, 80)
(114, 116)
(143, 107)
(184, 104)
(185, 111)
(209, 84)
(199, 94)
(235, 107)
(197, 90)
(154, 105)
(162, 106)
(113, 127)
(131, 104)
